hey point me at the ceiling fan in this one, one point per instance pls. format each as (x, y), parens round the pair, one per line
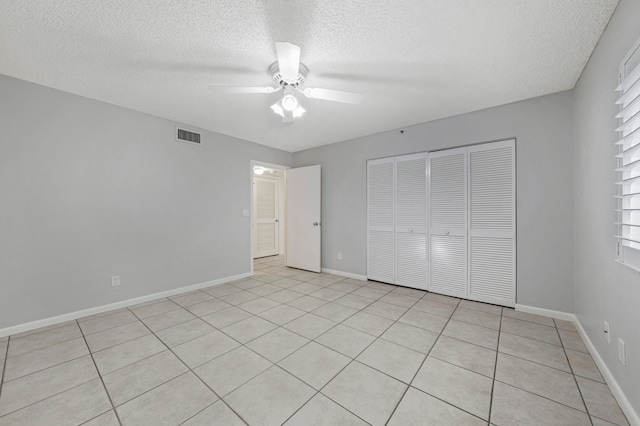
(290, 74)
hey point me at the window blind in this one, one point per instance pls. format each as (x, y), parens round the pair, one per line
(628, 160)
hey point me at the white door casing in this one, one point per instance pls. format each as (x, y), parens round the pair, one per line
(266, 193)
(303, 208)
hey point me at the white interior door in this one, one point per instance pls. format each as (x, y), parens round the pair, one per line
(492, 223)
(304, 218)
(448, 222)
(411, 220)
(380, 220)
(266, 193)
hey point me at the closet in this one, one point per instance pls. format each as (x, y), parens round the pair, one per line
(445, 221)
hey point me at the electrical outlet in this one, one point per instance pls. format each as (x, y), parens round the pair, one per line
(115, 281)
(339, 256)
(607, 332)
(622, 352)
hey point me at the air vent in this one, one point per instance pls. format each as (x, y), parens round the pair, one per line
(187, 136)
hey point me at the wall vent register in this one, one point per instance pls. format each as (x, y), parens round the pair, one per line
(187, 136)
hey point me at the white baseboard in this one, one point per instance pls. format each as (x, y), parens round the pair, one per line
(345, 274)
(566, 316)
(116, 305)
(623, 402)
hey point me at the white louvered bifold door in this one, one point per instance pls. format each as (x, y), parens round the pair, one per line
(448, 222)
(380, 220)
(411, 220)
(492, 223)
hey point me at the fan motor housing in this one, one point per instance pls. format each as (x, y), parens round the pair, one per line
(274, 69)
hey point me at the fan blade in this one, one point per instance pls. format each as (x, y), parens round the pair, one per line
(332, 95)
(240, 89)
(288, 61)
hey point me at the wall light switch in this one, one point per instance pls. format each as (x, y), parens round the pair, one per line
(245, 213)
(622, 352)
(115, 281)
(607, 332)
(339, 256)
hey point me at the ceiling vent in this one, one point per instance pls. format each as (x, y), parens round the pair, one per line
(187, 136)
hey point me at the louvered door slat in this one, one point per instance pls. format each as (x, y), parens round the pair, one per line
(448, 265)
(411, 191)
(447, 190)
(266, 199)
(448, 222)
(411, 260)
(380, 220)
(411, 220)
(265, 210)
(491, 272)
(491, 189)
(492, 223)
(380, 194)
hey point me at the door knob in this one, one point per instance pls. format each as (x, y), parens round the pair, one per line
(316, 223)
(446, 232)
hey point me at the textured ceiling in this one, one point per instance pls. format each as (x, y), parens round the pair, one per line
(412, 60)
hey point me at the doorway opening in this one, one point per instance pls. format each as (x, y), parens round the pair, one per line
(268, 212)
(285, 215)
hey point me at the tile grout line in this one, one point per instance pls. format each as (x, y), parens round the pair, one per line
(547, 366)
(189, 370)
(542, 396)
(564, 351)
(380, 337)
(365, 348)
(42, 347)
(113, 407)
(52, 395)
(495, 368)
(4, 365)
(420, 367)
(351, 359)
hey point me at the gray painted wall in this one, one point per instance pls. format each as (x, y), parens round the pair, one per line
(544, 131)
(605, 290)
(90, 190)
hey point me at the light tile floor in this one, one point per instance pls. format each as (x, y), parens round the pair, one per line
(297, 348)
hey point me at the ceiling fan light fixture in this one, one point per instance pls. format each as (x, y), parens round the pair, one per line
(277, 108)
(289, 102)
(298, 112)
